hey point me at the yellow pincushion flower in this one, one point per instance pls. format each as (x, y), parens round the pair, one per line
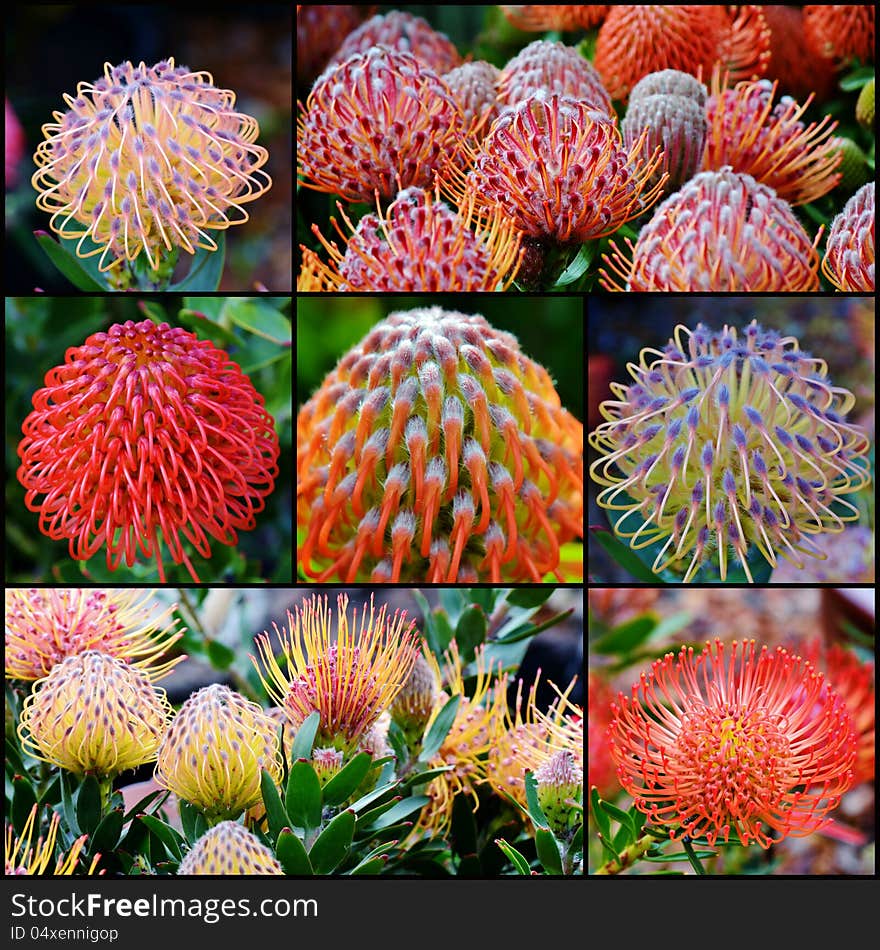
(25, 857)
(229, 848)
(215, 750)
(94, 714)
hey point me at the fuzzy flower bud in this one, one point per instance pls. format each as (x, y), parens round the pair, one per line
(763, 462)
(475, 88)
(560, 781)
(415, 702)
(229, 849)
(865, 106)
(94, 714)
(481, 468)
(215, 749)
(849, 252)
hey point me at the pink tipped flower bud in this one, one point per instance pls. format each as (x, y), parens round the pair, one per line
(849, 253)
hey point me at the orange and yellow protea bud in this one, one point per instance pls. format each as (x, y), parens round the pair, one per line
(552, 68)
(840, 32)
(849, 253)
(26, 857)
(94, 714)
(213, 753)
(436, 450)
(769, 142)
(559, 170)
(722, 231)
(147, 434)
(44, 626)
(320, 31)
(403, 33)
(636, 40)
(728, 446)
(229, 849)
(148, 159)
(560, 790)
(419, 244)
(671, 107)
(416, 701)
(537, 17)
(733, 742)
(349, 674)
(378, 121)
(469, 739)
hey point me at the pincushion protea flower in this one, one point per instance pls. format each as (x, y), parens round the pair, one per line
(94, 714)
(213, 753)
(636, 40)
(559, 788)
(45, 626)
(24, 856)
(419, 244)
(849, 252)
(537, 17)
(320, 31)
(350, 145)
(799, 74)
(725, 443)
(671, 107)
(229, 849)
(474, 86)
(436, 450)
(404, 33)
(769, 142)
(558, 168)
(733, 742)
(551, 67)
(350, 674)
(840, 32)
(148, 159)
(722, 231)
(147, 434)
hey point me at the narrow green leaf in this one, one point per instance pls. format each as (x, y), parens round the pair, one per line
(696, 864)
(333, 843)
(439, 729)
(519, 862)
(170, 837)
(303, 798)
(599, 816)
(372, 796)
(578, 266)
(259, 318)
(220, 655)
(422, 778)
(530, 630)
(534, 807)
(470, 631)
(429, 628)
(621, 817)
(68, 801)
(292, 855)
(347, 779)
(144, 803)
(400, 810)
(305, 737)
(88, 805)
(206, 269)
(625, 637)
(276, 816)
(371, 866)
(548, 851)
(626, 558)
(530, 596)
(68, 265)
(106, 835)
(23, 800)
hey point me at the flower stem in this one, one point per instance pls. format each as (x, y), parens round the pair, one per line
(629, 855)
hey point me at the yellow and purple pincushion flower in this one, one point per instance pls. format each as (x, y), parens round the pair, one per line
(227, 849)
(146, 160)
(726, 447)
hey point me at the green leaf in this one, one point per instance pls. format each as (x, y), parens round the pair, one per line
(106, 835)
(470, 631)
(627, 636)
(206, 269)
(259, 318)
(88, 805)
(347, 779)
(192, 821)
(519, 862)
(626, 557)
(599, 816)
(303, 798)
(857, 78)
(548, 851)
(276, 816)
(399, 811)
(220, 655)
(428, 625)
(371, 797)
(530, 630)
(170, 837)
(292, 855)
(69, 265)
(422, 778)
(696, 864)
(578, 266)
(333, 843)
(305, 737)
(373, 862)
(530, 596)
(439, 729)
(68, 801)
(535, 811)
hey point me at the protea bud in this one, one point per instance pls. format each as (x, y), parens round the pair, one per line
(327, 763)
(348, 145)
(475, 88)
(94, 714)
(553, 68)
(215, 750)
(840, 32)
(148, 159)
(849, 252)
(725, 445)
(146, 435)
(560, 788)
(437, 450)
(853, 168)
(723, 231)
(865, 106)
(671, 106)
(416, 701)
(229, 849)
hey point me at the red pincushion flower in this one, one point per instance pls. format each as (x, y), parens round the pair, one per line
(147, 434)
(734, 742)
(849, 253)
(841, 32)
(799, 74)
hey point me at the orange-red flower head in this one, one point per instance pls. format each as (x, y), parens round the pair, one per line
(734, 742)
(537, 17)
(144, 435)
(841, 32)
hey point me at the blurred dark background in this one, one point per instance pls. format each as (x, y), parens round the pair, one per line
(248, 48)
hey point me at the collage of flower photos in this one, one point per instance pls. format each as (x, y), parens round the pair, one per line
(306, 572)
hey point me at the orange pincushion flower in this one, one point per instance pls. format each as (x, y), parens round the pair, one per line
(421, 244)
(769, 142)
(378, 121)
(722, 231)
(558, 168)
(436, 450)
(147, 434)
(148, 159)
(734, 741)
(849, 253)
(637, 40)
(44, 626)
(798, 73)
(537, 17)
(841, 32)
